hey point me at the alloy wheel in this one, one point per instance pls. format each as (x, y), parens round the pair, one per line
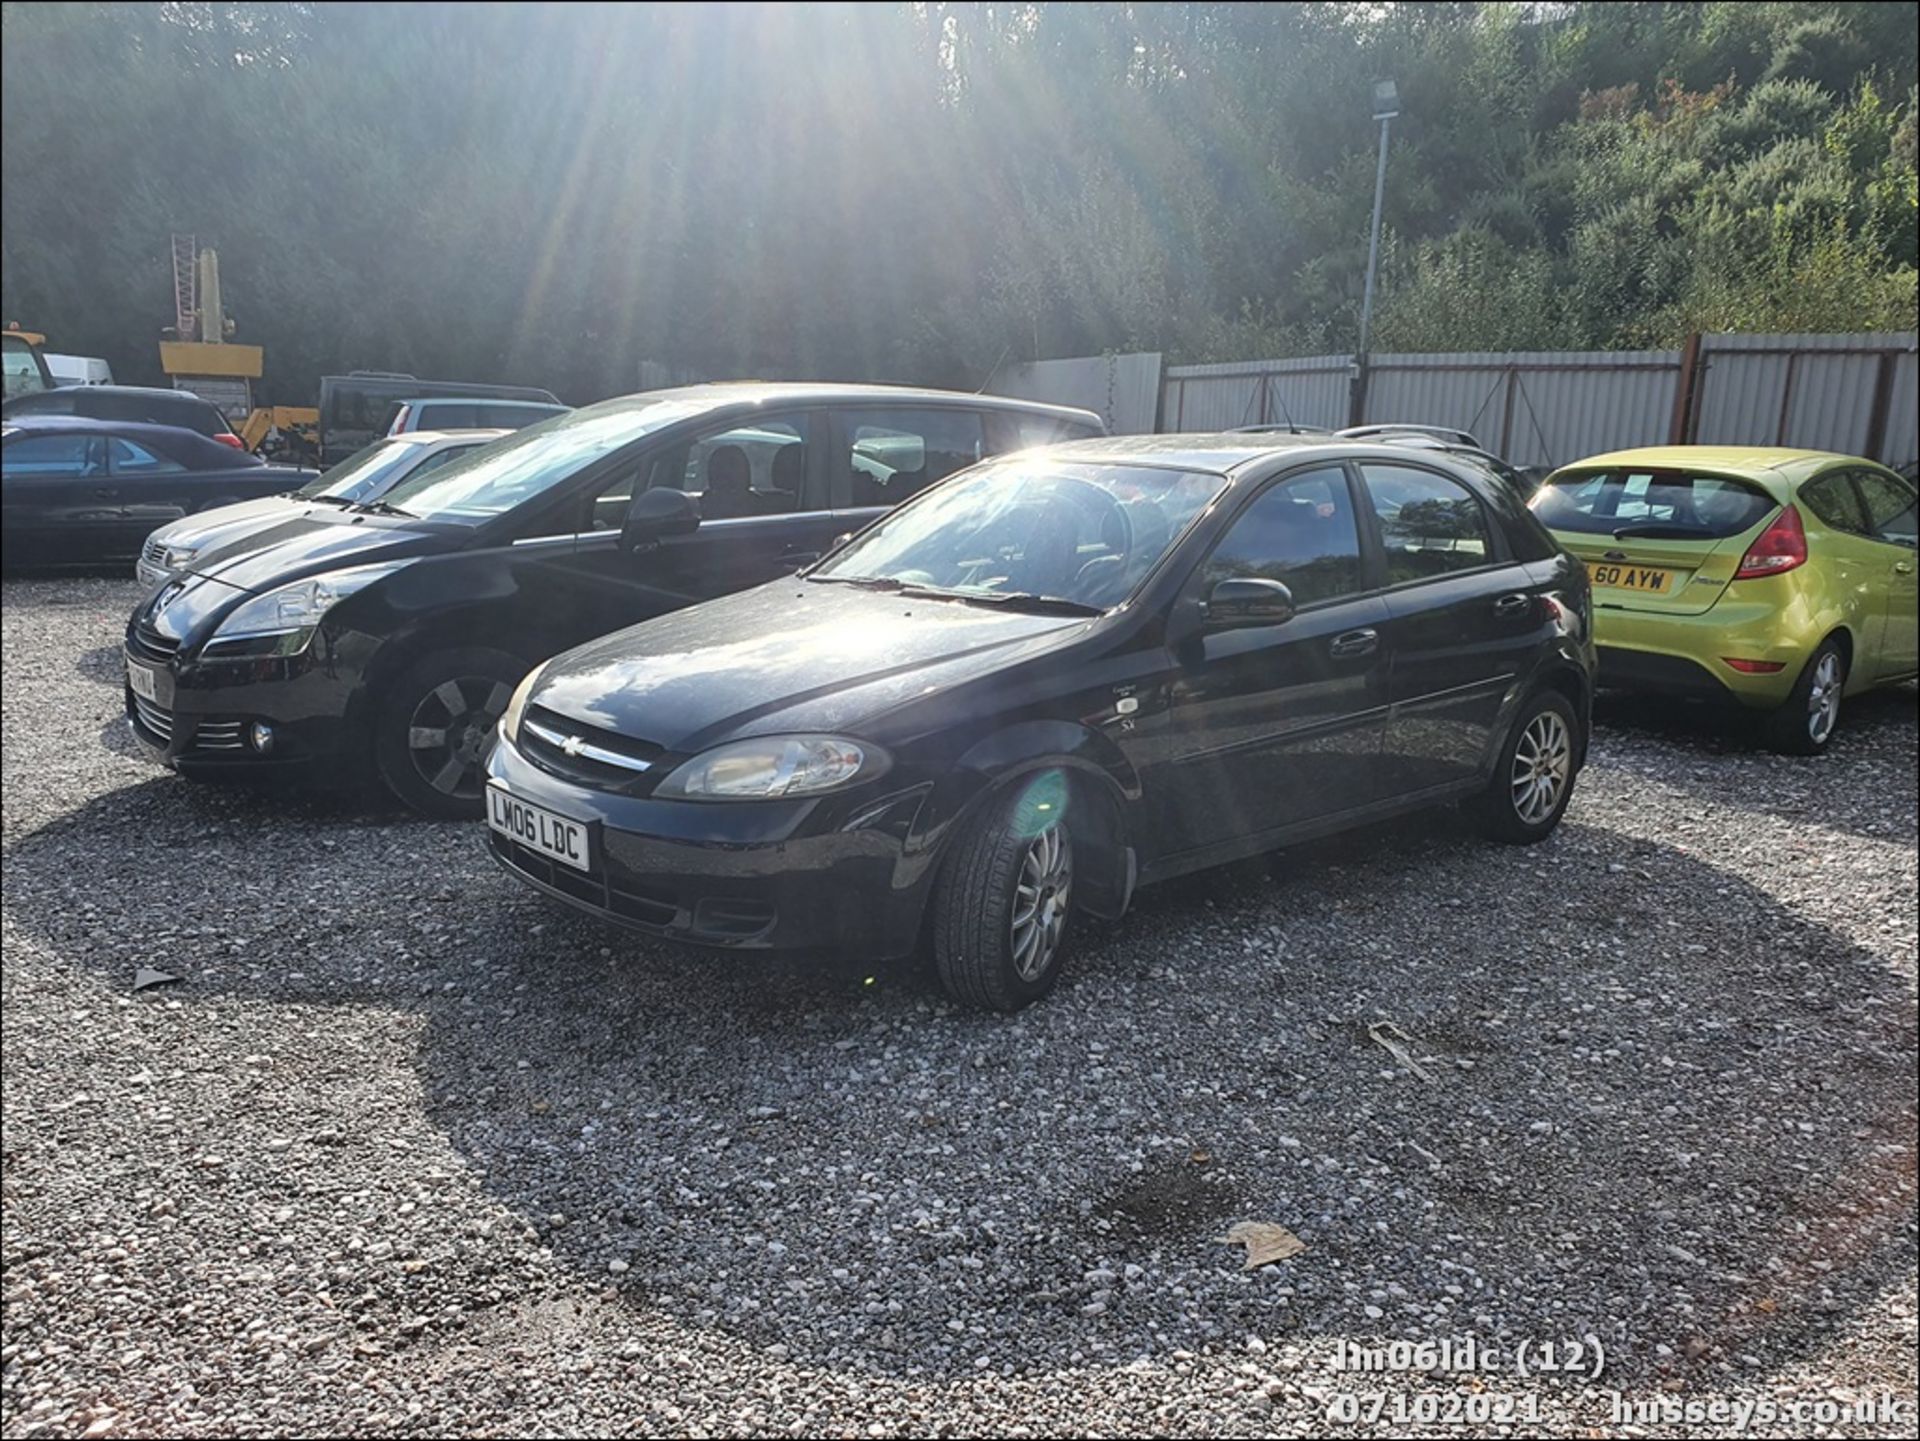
(1041, 900)
(1823, 700)
(1542, 763)
(452, 730)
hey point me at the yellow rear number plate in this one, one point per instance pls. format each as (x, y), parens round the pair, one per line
(1631, 577)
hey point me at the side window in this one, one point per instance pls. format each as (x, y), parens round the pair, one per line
(1430, 525)
(1833, 503)
(1300, 532)
(894, 454)
(1889, 504)
(436, 415)
(437, 459)
(55, 455)
(744, 470)
(129, 458)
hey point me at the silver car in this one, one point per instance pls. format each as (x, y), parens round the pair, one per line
(365, 475)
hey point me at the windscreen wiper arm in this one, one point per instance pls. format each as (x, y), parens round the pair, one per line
(1663, 530)
(340, 501)
(1010, 599)
(380, 507)
(865, 582)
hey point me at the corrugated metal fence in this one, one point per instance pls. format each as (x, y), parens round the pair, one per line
(1123, 390)
(1858, 394)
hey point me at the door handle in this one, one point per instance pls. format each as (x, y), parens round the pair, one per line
(101, 492)
(1354, 643)
(1512, 607)
(1903, 567)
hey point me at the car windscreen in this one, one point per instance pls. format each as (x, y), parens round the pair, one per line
(1652, 504)
(1082, 533)
(498, 478)
(365, 473)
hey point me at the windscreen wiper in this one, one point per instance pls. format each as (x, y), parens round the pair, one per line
(380, 507)
(865, 582)
(1663, 530)
(338, 500)
(1010, 600)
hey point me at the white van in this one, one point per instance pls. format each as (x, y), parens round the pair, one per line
(78, 369)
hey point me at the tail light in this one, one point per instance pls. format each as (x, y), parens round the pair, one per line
(1755, 667)
(229, 438)
(1781, 547)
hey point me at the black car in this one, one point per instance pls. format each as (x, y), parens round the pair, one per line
(390, 634)
(140, 404)
(1057, 677)
(84, 491)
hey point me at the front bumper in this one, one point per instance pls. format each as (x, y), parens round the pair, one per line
(1686, 655)
(201, 716)
(826, 874)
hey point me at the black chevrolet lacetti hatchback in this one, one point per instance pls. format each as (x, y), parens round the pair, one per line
(1046, 681)
(385, 638)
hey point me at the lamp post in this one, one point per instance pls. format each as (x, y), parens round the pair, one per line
(1386, 105)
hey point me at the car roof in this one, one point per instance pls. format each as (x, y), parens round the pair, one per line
(769, 392)
(146, 392)
(132, 429)
(436, 437)
(1758, 461)
(481, 400)
(1225, 451)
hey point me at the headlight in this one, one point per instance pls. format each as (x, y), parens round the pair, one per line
(516, 707)
(176, 556)
(282, 621)
(775, 766)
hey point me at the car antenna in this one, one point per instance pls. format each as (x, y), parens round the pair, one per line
(996, 369)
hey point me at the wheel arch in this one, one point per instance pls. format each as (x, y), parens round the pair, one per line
(1098, 789)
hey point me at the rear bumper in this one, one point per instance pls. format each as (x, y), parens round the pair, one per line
(785, 875)
(1687, 655)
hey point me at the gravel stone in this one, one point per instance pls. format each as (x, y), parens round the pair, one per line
(364, 1167)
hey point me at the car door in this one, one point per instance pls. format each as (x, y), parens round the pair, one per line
(762, 489)
(59, 502)
(1889, 505)
(1274, 725)
(1463, 622)
(150, 489)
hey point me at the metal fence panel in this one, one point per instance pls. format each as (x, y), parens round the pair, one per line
(1814, 392)
(1123, 390)
(1902, 443)
(1310, 390)
(1542, 408)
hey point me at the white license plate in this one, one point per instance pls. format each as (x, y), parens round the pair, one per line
(539, 830)
(141, 679)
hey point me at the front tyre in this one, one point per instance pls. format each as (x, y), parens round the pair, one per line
(434, 727)
(1001, 911)
(1534, 778)
(1806, 723)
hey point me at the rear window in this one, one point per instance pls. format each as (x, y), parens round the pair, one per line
(1652, 504)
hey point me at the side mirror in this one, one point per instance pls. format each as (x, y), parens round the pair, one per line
(1248, 601)
(656, 514)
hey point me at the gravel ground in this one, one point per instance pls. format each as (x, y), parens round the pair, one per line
(409, 1151)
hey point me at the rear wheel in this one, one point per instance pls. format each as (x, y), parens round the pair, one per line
(1806, 723)
(1001, 912)
(436, 725)
(1534, 779)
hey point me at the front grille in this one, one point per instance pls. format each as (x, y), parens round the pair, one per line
(219, 735)
(649, 907)
(605, 760)
(155, 719)
(154, 553)
(149, 644)
(212, 734)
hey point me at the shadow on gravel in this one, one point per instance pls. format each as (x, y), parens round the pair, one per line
(1736, 768)
(1657, 1096)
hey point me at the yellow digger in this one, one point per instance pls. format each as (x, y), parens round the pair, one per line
(198, 356)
